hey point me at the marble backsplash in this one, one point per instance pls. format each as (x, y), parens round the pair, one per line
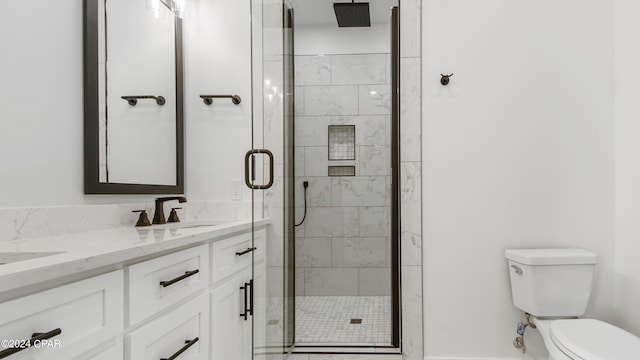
(18, 223)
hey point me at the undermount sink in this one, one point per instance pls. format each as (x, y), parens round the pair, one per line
(11, 257)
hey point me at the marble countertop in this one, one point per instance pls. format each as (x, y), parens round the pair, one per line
(75, 253)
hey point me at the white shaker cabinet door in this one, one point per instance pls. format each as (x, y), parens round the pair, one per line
(71, 319)
(230, 332)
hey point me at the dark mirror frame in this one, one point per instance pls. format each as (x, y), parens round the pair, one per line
(92, 184)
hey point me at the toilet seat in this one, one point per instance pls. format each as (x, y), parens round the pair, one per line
(589, 339)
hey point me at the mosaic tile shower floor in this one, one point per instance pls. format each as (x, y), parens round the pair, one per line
(326, 320)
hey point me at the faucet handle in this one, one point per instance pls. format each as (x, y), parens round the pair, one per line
(143, 220)
(173, 216)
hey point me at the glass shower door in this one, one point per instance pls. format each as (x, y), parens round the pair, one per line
(270, 167)
(347, 188)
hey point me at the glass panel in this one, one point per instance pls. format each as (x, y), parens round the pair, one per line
(343, 148)
(338, 263)
(273, 130)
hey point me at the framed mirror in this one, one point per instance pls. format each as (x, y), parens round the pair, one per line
(133, 98)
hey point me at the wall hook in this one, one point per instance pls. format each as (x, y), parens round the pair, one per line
(444, 80)
(208, 99)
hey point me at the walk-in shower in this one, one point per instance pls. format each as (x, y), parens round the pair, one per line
(346, 151)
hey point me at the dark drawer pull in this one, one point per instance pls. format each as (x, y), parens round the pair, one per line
(188, 343)
(179, 278)
(246, 251)
(35, 337)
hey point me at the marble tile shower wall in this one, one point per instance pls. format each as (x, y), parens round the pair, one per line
(343, 248)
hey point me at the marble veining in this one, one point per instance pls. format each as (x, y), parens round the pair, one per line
(331, 222)
(348, 221)
(313, 70)
(359, 69)
(374, 221)
(21, 223)
(313, 252)
(359, 191)
(311, 130)
(374, 99)
(331, 281)
(358, 252)
(318, 192)
(85, 251)
(374, 160)
(410, 109)
(370, 129)
(331, 100)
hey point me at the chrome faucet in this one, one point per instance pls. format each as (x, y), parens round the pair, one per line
(158, 214)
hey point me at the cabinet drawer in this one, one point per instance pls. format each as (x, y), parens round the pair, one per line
(230, 255)
(161, 282)
(167, 335)
(114, 353)
(87, 313)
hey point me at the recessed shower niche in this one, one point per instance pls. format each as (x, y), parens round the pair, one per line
(342, 142)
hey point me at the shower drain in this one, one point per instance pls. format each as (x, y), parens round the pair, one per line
(356, 321)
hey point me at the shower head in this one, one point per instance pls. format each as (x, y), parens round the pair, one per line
(352, 14)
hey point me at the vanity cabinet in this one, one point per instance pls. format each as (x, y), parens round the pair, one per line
(196, 303)
(87, 313)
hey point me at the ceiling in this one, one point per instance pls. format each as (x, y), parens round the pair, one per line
(320, 12)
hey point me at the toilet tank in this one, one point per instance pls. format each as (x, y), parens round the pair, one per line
(551, 282)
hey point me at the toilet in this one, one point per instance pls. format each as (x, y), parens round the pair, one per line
(554, 286)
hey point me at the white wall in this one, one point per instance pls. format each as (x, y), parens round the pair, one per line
(518, 152)
(41, 103)
(41, 139)
(627, 112)
(330, 39)
(217, 61)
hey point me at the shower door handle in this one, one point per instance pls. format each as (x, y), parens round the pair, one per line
(250, 169)
(245, 311)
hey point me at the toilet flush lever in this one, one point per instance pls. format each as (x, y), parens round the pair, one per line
(517, 269)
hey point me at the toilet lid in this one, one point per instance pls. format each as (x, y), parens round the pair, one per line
(589, 339)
